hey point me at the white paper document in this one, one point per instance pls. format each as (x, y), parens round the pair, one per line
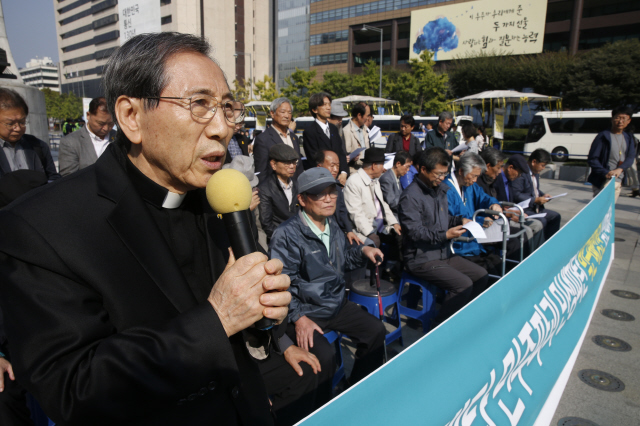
(524, 204)
(535, 216)
(374, 133)
(557, 196)
(355, 153)
(475, 229)
(460, 148)
(493, 234)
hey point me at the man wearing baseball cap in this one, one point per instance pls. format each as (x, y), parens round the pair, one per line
(316, 253)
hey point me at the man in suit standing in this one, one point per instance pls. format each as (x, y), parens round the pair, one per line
(19, 150)
(277, 133)
(356, 134)
(322, 135)
(390, 180)
(527, 187)
(405, 140)
(117, 284)
(83, 147)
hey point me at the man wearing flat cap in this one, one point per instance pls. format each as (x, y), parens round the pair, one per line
(368, 211)
(316, 253)
(279, 191)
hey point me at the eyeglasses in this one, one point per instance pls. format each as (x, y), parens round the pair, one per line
(439, 175)
(289, 162)
(623, 119)
(317, 197)
(205, 106)
(11, 126)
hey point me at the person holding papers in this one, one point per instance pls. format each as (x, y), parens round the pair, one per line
(427, 228)
(465, 196)
(527, 187)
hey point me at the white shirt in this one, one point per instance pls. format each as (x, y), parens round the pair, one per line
(100, 145)
(325, 127)
(287, 188)
(286, 139)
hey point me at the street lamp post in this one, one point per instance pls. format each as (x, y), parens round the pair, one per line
(250, 72)
(365, 28)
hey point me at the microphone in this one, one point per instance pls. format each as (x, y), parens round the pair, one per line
(229, 194)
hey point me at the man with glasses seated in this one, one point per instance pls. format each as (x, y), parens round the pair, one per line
(279, 191)
(117, 285)
(316, 253)
(19, 150)
(427, 228)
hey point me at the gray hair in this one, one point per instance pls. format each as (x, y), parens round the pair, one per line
(277, 102)
(470, 161)
(137, 69)
(492, 156)
(445, 115)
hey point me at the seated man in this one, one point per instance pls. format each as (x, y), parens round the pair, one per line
(404, 139)
(464, 198)
(427, 228)
(279, 191)
(527, 187)
(496, 182)
(369, 212)
(390, 180)
(315, 254)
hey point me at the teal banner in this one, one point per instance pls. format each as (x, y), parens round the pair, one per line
(503, 359)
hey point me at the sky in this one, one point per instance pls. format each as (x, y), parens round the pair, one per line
(31, 29)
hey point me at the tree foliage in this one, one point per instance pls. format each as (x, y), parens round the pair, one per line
(240, 90)
(62, 106)
(300, 85)
(265, 89)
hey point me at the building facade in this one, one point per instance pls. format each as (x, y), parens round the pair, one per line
(240, 32)
(338, 43)
(41, 73)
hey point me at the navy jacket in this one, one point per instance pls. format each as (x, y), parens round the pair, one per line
(434, 138)
(599, 157)
(317, 279)
(263, 142)
(394, 144)
(425, 220)
(342, 214)
(522, 189)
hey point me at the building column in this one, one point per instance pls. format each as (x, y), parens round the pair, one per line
(394, 43)
(574, 35)
(350, 51)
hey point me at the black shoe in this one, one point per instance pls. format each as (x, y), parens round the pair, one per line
(634, 193)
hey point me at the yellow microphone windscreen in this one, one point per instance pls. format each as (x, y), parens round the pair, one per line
(228, 191)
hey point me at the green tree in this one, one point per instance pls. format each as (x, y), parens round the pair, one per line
(265, 89)
(337, 84)
(240, 90)
(300, 85)
(431, 87)
(368, 83)
(61, 107)
(606, 77)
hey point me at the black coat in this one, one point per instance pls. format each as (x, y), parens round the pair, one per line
(261, 146)
(522, 189)
(394, 144)
(314, 140)
(38, 156)
(103, 326)
(274, 207)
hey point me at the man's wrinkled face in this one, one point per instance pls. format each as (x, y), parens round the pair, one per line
(284, 169)
(405, 129)
(536, 167)
(377, 169)
(443, 126)
(362, 120)
(369, 121)
(434, 177)
(494, 171)
(322, 205)
(511, 173)
(100, 123)
(177, 149)
(403, 169)
(282, 115)
(470, 178)
(13, 124)
(331, 163)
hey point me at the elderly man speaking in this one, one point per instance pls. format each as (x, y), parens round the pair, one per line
(122, 302)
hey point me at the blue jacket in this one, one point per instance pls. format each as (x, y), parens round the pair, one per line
(475, 199)
(599, 156)
(317, 279)
(408, 178)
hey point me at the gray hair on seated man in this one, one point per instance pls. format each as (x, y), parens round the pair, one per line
(279, 101)
(445, 115)
(470, 161)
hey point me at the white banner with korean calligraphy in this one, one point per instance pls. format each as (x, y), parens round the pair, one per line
(503, 27)
(138, 17)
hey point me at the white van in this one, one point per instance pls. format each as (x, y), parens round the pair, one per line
(568, 134)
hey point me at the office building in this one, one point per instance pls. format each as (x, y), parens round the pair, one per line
(240, 32)
(336, 41)
(41, 73)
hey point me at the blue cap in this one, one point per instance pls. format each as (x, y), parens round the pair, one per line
(315, 180)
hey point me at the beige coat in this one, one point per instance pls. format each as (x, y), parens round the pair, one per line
(352, 142)
(360, 205)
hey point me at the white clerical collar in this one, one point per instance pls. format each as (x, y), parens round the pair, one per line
(173, 200)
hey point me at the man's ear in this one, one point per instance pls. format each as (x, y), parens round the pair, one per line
(273, 164)
(301, 200)
(128, 114)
